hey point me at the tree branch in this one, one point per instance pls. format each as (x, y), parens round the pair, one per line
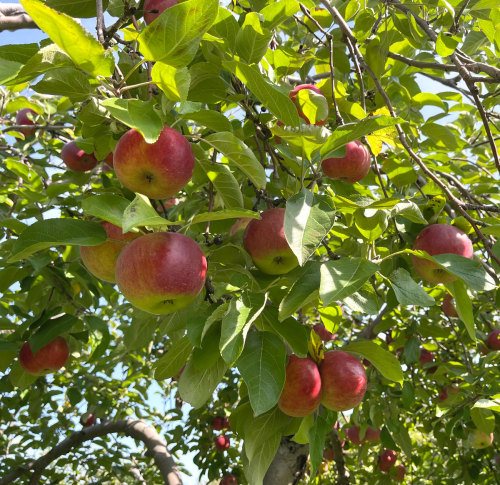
(14, 17)
(135, 428)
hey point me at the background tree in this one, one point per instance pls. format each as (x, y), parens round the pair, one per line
(222, 74)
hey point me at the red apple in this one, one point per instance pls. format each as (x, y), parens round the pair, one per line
(76, 159)
(100, 260)
(87, 421)
(444, 392)
(153, 8)
(158, 170)
(311, 103)
(221, 442)
(23, 119)
(108, 160)
(265, 241)
(218, 423)
(387, 459)
(323, 333)
(161, 272)
(229, 479)
(49, 358)
(350, 168)
(352, 434)
(425, 357)
(448, 307)
(493, 340)
(440, 239)
(484, 350)
(239, 225)
(329, 454)
(398, 473)
(372, 435)
(343, 380)
(301, 393)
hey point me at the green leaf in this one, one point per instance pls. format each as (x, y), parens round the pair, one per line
(252, 40)
(317, 434)
(343, 278)
(137, 114)
(371, 223)
(469, 270)
(50, 330)
(174, 37)
(272, 98)
(210, 119)
(223, 180)
(223, 214)
(55, 232)
(493, 403)
(354, 131)
(428, 99)
(240, 155)
(173, 82)
(65, 81)
(236, 324)
(262, 366)
(385, 362)
(407, 291)
(197, 386)
(308, 219)
(446, 44)
(171, 363)
(108, 207)
(76, 8)
(463, 305)
(76, 41)
(483, 418)
(140, 213)
(277, 12)
(303, 291)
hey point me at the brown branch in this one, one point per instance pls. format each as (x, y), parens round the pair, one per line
(135, 428)
(454, 27)
(422, 64)
(100, 21)
(35, 127)
(338, 457)
(14, 17)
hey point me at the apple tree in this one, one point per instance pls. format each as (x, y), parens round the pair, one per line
(263, 233)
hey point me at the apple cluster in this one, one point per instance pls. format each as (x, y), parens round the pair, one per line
(386, 463)
(338, 383)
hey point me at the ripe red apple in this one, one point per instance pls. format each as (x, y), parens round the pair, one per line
(352, 434)
(398, 473)
(239, 225)
(493, 340)
(329, 454)
(444, 392)
(484, 349)
(343, 381)
(218, 423)
(387, 459)
(76, 159)
(425, 357)
(153, 8)
(301, 393)
(87, 421)
(448, 307)
(310, 103)
(221, 442)
(372, 435)
(479, 439)
(23, 119)
(100, 260)
(229, 479)
(49, 358)
(323, 333)
(265, 241)
(161, 272)
(350, 168)
(440, 239)
(158, 170)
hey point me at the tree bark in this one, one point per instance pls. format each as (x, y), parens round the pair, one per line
(288, 465)
(135, 428)
(14, 17)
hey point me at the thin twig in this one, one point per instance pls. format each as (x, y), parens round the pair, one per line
(100, 21)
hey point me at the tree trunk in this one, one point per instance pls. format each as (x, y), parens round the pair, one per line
(288, 465)
(14, 17)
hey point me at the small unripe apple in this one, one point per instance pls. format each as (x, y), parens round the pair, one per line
(153, 8)
(161, 272)
(49, 358)
(343, 381)
(323, 333)
(87, 421)
(440, 239)
(101, 260)
(23, 119)
(158, 170)
(493, 340)
(266, 243)
(448, 307)
(387, 459)
(221, 442)
(301, 394)
(76, 159)
(479, 439)
(311, 104)
(229, 479)
(398, 473)
(352, 167)
(425, 357)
